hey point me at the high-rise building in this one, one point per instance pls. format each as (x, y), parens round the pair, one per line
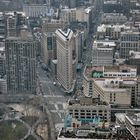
(66, 56)
(37, 10)
(2, 27)
(11, 26)
(102, 53)
(21, 64)
(129, 40)
(83, 15)
(14, 23)
(48, 40)
(2, 59)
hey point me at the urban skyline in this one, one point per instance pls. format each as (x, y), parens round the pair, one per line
(69, 69)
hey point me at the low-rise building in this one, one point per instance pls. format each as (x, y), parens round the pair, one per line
(91, 73)
(108, 90)
(89, 110)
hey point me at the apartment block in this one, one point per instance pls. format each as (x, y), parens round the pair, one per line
(103, 53)
(21, 65)
(129, 40)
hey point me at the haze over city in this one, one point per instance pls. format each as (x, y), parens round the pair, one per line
(69, 69)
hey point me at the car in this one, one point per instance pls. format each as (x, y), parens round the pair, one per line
(54, 83)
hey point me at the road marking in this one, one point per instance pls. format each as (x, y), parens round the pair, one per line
(51, 92)
(55, 96)
(53, 102)
(64, 105)
(43, 81)
(57, 110)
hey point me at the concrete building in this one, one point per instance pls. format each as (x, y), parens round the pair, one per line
(66, 56)
(14, 22)
(11, 26)
(75, 130)
(103, 53)
(48, 40)
(21, 64)
(111, 6)
(35, 10)
(108, 90)
(87, 109)
(129, 40)
(134, 59)
(113, 18)
(79, 44)
(77, 14)
(111, 32)
(2, 27)
(68, 15)
(2, 60)
(3, 86)
(100, 72)
(132, 122)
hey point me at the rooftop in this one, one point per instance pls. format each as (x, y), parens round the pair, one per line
(98, 72)
(122, 68)
(103, 27)
(104, 44)
(65, 34)
(93, 133)
(93, 72)
(134, 119)
(2, 49)
(134, 55)
(105, 86)
(87, 101)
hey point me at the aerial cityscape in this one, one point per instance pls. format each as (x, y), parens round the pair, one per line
(69, 69)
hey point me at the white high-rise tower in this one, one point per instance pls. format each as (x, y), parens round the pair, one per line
(66, 57)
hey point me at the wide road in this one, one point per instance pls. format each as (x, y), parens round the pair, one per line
(53, 95)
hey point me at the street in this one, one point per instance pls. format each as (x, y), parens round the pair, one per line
(54, 96)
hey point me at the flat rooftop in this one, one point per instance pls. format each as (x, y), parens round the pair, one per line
(134, 119)
(116, 89)
(86, 101)
(97, 72)
(122, 68)
(89, 71)
(104, 43)
(94, 134)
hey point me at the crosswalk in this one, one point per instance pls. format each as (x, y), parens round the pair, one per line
(56, 96)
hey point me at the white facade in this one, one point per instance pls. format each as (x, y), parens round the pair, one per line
(66, 61)
(109, 91)
(113, 18)
(102, 55)
(133, 125)
(35, 10)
